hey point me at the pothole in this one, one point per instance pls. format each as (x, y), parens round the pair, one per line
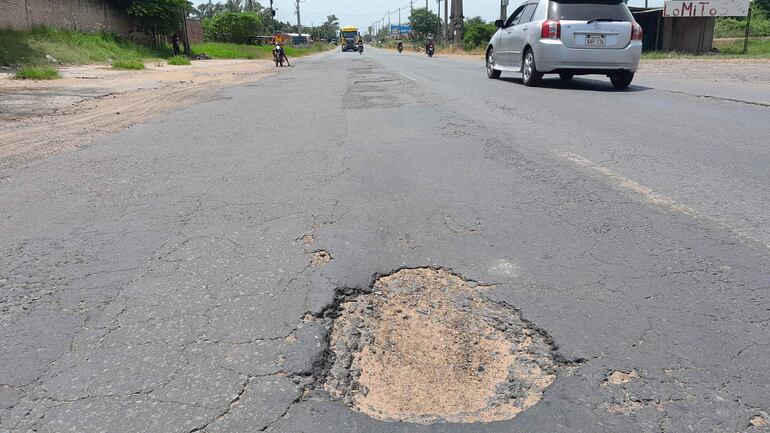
(320, 258)
(427, 346)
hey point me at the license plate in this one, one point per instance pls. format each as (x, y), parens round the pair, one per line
(595, 41)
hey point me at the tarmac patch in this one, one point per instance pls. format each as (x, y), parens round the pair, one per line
(426, 346)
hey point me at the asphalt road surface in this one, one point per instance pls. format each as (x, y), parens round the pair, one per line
(162, 279)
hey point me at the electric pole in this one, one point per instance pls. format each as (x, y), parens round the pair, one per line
(299, 22)
(504, 9)
(446, 18)
(457, 22)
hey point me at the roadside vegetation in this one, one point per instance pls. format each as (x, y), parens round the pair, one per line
(179, 61)
(131, 64)
(224, 50)
(729, 27)
(37, 73)
(69, 48)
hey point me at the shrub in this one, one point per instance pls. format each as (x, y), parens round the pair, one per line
(179, 60)
(37, 73)
(234, 27)
(128, 64)
(477, 35)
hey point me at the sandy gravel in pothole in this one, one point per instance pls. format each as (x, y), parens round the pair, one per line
(426, 346)
(43, 118)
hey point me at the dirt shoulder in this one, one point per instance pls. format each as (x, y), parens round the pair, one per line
(43, 118)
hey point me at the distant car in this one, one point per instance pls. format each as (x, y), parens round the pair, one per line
(567, 37)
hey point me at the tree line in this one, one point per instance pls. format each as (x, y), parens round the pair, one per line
(231, 21)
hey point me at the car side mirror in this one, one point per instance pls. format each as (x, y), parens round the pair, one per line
(499, 24)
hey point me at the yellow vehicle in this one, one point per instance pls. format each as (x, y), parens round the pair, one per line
(349, 38)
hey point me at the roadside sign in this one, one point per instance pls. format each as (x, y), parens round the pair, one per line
(706, 8)
(404, 30)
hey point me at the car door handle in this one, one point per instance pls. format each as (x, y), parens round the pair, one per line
(525, 28)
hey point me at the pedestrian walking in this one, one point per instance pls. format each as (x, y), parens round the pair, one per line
(175, 43)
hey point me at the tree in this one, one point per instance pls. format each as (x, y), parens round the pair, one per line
(424, 22)
(235, 27)
(159, 17)
(473, 21)
(478, 34)
(763, 6)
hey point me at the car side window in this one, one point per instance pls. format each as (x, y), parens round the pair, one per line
(514, 18)
(528, 13)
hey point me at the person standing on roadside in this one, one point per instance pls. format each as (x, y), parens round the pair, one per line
(175, 43)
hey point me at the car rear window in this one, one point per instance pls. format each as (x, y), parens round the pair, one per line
(583, 10)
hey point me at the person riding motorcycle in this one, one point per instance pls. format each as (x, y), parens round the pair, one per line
(279, 54)
(400, 46)
(429, 44)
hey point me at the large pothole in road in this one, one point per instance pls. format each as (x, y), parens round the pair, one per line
(427, 346)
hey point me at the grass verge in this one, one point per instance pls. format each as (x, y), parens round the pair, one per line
(725, 49)
(37, 73)
(69, 48)
(179, 61)
(133, 64)
(224, 50)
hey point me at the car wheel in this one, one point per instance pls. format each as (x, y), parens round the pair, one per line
(622, 79)
(491, 71)
(529, 74)
(566, 75)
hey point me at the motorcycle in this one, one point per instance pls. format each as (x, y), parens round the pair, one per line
(430, 51)
(278, 56)
(361, 49)
(400, 48)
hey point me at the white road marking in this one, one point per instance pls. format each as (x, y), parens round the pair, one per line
(407, 76)
(649, 195)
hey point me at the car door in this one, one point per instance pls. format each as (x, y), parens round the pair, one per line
(506, 33)
(518, 34)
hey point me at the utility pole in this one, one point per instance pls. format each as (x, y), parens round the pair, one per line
(299, 22)
(457, 22)
(446, 18)
(504, 9)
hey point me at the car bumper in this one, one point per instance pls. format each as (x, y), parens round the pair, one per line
(553, 56)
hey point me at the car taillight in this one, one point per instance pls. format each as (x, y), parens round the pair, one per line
(636, 31)
(550, 29)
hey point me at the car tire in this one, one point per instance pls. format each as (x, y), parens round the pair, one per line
(566, 75)
(529, 75)
(622, 79)
(492, 73)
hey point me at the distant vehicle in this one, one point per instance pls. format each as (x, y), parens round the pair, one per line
(567, 37)
(349, 38)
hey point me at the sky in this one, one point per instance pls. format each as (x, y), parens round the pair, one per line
(363, 13)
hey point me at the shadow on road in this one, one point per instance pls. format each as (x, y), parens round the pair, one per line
(576, 83)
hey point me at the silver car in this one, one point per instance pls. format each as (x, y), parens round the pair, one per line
(567, 37)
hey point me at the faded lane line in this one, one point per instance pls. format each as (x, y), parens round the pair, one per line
(407, 76)
(651, 196)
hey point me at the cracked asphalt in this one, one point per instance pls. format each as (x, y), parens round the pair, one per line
(161, 279)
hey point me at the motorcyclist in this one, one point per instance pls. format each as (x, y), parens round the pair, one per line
(400, 46)
(278, 50)
(429, 44)
(360, 45)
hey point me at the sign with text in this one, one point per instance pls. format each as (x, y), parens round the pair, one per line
(404, 30)
(706, 8)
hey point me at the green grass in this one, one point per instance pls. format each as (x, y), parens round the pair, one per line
(69, 48)
(179, 61)
(736, 27)
(758, 48)
(37, 73)
(128, 64)
(225, 50)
